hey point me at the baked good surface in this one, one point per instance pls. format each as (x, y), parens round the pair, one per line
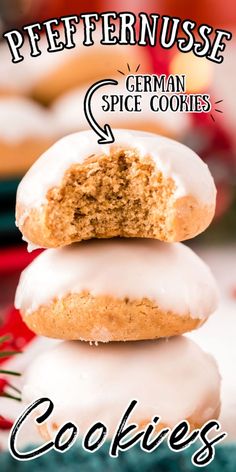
(173, 379)
(26, 130)
(116, 290)
(143, 185)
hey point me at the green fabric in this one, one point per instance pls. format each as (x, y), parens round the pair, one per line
(7, 223)
(134, 460)
(7, 207)
(8, 188)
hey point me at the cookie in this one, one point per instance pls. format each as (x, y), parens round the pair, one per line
(116, 290)
(14, 80)
(26, 130)
(143, 185)
(68, 110)
(75, 67)
(49, 75)
(172, 379)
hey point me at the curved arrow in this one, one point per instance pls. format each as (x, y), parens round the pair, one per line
(106, 135)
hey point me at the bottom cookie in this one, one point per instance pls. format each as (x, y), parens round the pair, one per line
(173, 379)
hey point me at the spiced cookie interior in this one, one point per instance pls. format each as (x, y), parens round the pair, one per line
(137, 187)
(107, 196)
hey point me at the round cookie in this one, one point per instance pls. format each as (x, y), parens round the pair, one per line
(116, 290)
(80, 65)
(26, 130)
(143, 185)
(70, 118)
(14, 79)
(173, 379)
(49, 75)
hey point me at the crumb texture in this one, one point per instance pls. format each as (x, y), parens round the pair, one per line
(119, 195)
(116, 195)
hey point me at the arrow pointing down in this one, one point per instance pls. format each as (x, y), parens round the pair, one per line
(105, 134)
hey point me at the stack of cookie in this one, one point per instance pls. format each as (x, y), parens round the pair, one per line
(112, 216)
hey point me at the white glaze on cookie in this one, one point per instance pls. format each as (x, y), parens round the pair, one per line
(171, 275)
(190, 174)
(32, 70)
(22, 119)
(21, 77)
(172, 378)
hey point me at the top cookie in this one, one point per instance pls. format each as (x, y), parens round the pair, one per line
(143, 185)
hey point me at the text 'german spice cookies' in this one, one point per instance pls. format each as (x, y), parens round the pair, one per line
(116, 290)
(143, 185)
(174, 379)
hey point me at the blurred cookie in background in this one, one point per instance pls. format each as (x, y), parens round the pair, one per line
(70, 117)
(64, 70)
(49, 75)
(26, 130)
(14, 78)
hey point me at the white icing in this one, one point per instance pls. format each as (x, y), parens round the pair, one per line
(23, 76)
(172, 378)
(70, 117)
(30, 246)
(23, 119)
(13, 77)
(190, 173)
(171, 275)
